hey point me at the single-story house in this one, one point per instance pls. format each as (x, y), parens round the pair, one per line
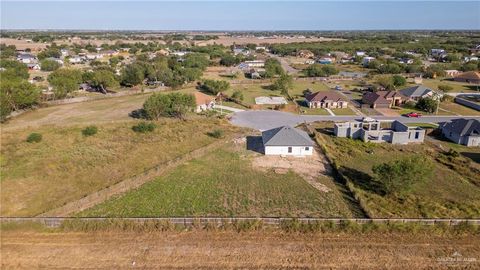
(367, 60)
(247, 65)
(371, 130)
(452, 72)
(468, 77)
(287, 140)
(203, 102)
(417, 92)
(326, 99)
(27, 58)
(326, 60)
(383, 99)
(462, 131)
(305, 54)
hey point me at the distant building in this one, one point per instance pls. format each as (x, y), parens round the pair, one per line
(417, 92)
(242, 51)
(326, 60)
(248, 65)
(438, 53)
(383, 99)
(367, 60)
(360, 53)
(203, 102)
(287, 141)
(353, 75)
(371, 130)
(27, 58)
(468, 77)
(452, 72)
(309, 62)
(305, 54)
(462, 131)
(326, 99)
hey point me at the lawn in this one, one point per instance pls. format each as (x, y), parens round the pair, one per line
(449, 193)
(458, 109)
(343, 111)
(66, 166)
(457, 86)
(223, 183)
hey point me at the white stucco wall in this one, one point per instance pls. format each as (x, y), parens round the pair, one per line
(283, 150)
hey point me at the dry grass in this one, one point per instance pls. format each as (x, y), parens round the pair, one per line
(66, 166)
(231, 250)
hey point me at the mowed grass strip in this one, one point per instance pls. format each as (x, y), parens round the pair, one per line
(447, 194)
(66, 166)
(223, 183)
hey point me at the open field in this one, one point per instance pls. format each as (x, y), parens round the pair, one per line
(232, 250)
(456, 191)
(224, 183)
(66, 166)
(458, 109)
(457, 86)
(98, 111)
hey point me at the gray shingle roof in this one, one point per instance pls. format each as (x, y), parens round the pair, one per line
(286, 136)
(415, 91)
(463, 127)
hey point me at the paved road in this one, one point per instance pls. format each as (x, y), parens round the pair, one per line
(263, 120)
(289, 69)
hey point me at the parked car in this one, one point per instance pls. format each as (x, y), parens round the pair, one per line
(338, 87)
(413, 114)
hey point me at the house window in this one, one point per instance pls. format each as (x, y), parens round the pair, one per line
(289, 149)
(417, 134)
(307, 148)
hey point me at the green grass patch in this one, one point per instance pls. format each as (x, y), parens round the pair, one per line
(223, 183)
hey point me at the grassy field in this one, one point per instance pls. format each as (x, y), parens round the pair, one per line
(458, 109)
(223, 183)
(457, 86)
(448, 193)
(99, 111)
(65, 165)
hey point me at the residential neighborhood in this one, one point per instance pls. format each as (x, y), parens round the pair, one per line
(240, 135)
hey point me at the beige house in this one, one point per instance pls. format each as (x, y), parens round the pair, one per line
(203, 102)
(326, 99)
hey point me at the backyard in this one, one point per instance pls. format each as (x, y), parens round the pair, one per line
(224, 183)
(456, 192)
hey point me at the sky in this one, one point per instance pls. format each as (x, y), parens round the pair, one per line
(236, 15)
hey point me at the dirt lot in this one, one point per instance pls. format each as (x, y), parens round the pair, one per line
(308, 167)
(232, 250)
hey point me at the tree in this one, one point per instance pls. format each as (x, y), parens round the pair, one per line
(284, 83)
(228, 60)
(401, 175)
(16, 94)
(13, 69)
(317, 70)
(196, 60)
(103, 79)
(237, 95)
(172, 104)
(133, 74)
(427, 104)
(386, 82)
(399, 80)
(65, 81)
(214, 87)
(49, 65)
(273, 68)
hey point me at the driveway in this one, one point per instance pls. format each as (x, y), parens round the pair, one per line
(289, 69)
(263, 120)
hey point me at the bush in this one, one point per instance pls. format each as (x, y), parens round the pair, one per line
(170, 105)
(445, 87)
(34, 138)
(144, 127)
(237, 95)
(217, 133)
(89, 131)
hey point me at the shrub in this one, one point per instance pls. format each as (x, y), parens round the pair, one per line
(237, 95)
(217, 133)
(144, 127)
(34, 137)
(89, 131)
(445, 87)
(170, 105)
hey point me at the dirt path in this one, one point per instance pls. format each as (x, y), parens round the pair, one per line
(134, 182)
(231, 250)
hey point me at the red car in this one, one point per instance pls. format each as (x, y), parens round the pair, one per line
(413, 114)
